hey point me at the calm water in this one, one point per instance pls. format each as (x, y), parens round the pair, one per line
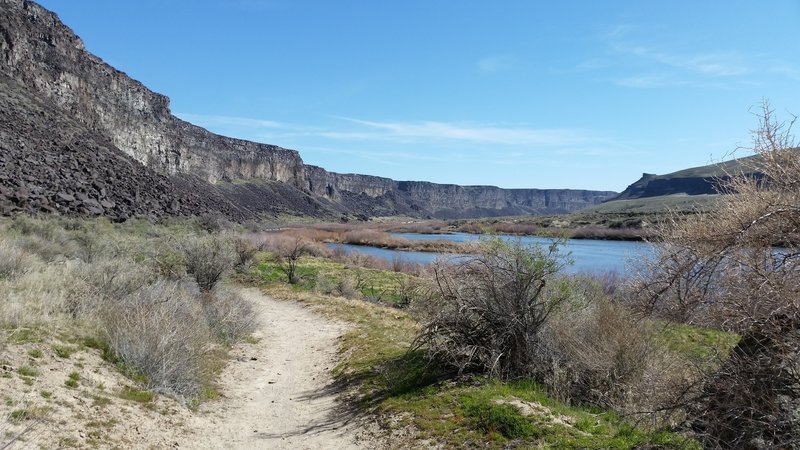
(589, 255)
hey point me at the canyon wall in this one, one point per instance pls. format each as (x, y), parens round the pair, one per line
(49, 61)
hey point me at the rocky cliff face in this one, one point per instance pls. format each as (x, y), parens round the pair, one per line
(48, 58)
(445, 201)
(45, 58)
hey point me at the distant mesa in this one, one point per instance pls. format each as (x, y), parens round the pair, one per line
(702, 180)
(78, 137)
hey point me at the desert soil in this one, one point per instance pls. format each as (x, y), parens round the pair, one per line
(278, 393)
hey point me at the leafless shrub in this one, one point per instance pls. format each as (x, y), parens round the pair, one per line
(160, 333)
(752, 400)
(229, 316)
(90, 245)
(610, 282)
(491, 308)
(410, 290)
(339, 254)
(348, 287)
(721, 270)
(207, 260)
(358, 259)
(212, 222)
(13, 260)
(325, 285)
(287, 251)
(402, 265)
(366, 237)
(169, 261)
(43, 238)
(244, 252)
(601, 354)
(117, 278)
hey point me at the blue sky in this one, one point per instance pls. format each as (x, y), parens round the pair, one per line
(545, 94)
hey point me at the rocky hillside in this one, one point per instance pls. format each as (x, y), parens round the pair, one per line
(71, 98)
(702, 180)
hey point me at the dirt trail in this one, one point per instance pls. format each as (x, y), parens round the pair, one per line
(278, 393)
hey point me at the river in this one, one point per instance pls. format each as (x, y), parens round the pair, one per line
(589, 255)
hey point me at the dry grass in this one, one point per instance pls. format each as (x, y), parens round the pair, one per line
(601, 354)
(373, 235)
(159, 333)
(229, 317)
(123, 286)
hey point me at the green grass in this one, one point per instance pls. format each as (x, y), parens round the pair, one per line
(25, 335)
(35, 353)
(100, 401)
(324, 275)
(64, 351)
(476, 412)
(408, 391)
(18, 415)
(27, 371)
(704, 344)
(72, 380)
(101, 423)
(136, 395)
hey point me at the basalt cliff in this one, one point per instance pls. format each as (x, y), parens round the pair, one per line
(80, 137)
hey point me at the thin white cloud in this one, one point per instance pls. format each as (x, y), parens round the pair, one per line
(496, 63)
(649, 81)
(468, 132)
(508, 143)
(229, 121)
(713, 64)
(786, 70)
(657, 66)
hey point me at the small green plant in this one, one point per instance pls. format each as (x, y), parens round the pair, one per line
(497, 418)
(100, 401)
(35, 353)
(64, 351)
(27, 371)
(68, 442)
(46, 394)
(18, 415)
(101, 423)
(25, 336)
(136, 395)
(72, 381)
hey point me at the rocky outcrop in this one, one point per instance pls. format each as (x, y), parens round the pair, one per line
(43, 61)
(47, 57)
(50, 163)
(651, 185)
(445, 201)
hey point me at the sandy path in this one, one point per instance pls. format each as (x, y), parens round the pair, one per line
(278, 392)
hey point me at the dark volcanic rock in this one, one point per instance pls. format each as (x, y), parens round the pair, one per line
(69, 169)
(74, 125)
